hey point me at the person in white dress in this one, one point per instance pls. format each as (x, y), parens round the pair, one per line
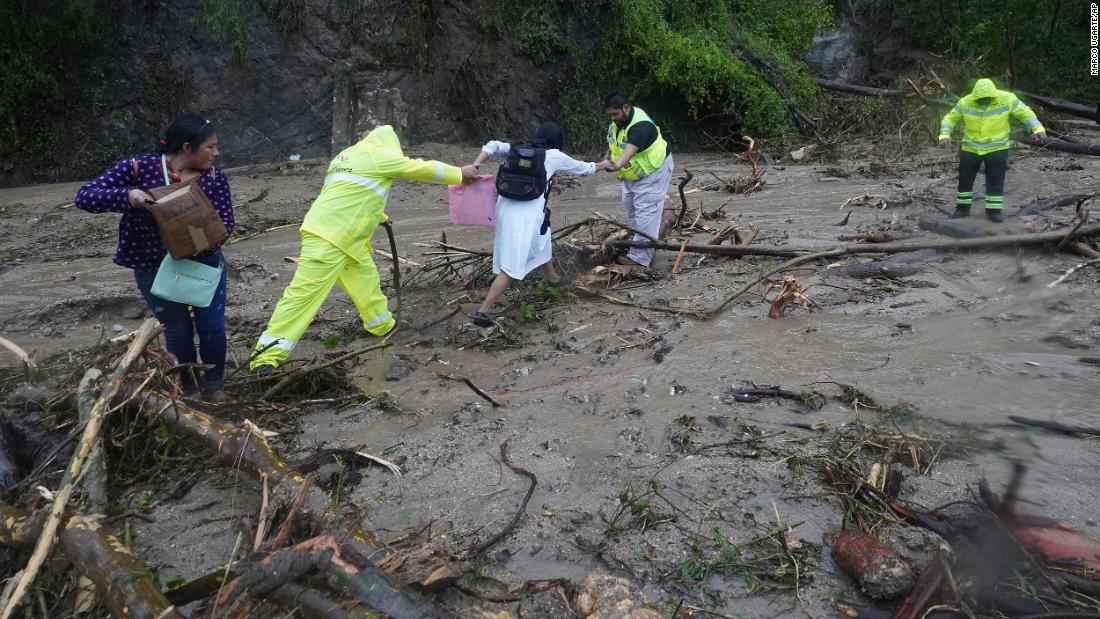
(522, 237)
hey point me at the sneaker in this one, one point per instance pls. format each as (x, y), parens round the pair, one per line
(481, 320)
(995, 214)
(961, 212)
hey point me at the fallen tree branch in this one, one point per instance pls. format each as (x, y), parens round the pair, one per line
(251, 453)
(313, 605)
(480, 392)
(986, 242)
(124, 581)
(1071, 271)
(96, 471)
(487, 544)
(1062, 145)
(238, 239)
(289, 377)
(96, 419)
(804, 255)
(1062, 105)
(21, 354)
(601, 217)
(721, 250)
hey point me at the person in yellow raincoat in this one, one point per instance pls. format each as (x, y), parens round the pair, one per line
(985, 114)
(336, 237)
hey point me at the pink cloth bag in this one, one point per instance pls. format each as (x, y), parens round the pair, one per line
(474, 204)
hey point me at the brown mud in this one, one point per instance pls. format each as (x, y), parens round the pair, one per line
(948, 353)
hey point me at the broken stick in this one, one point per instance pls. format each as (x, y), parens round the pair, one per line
(480, 392)
(688, 175)
(68, 482)
(483, 546)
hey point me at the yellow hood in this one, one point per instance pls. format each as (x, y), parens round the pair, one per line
(984, 88)
(383, 137)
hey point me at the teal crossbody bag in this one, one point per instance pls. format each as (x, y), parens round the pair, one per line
(186, 281)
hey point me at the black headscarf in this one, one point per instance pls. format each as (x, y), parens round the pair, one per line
(548, 135)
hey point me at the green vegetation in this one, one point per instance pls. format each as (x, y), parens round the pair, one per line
(45, 51)
(227, 21)
(713, 59)
(1039, 46)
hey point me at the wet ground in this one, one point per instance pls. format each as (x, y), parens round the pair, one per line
(589, 408)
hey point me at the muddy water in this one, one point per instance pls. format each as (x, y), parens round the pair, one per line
(589, 410)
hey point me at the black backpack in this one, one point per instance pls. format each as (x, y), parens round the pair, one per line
(522, 176)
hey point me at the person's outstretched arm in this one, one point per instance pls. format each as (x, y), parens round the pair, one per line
(430, 171)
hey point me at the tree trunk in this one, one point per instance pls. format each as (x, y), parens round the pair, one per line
(985, 242)
(1061, 105)
(125, 582)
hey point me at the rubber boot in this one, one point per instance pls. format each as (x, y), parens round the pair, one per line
(995, 214)
(961, 212)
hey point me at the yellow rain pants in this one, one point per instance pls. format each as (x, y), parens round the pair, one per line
(336, 235)
(321, 265)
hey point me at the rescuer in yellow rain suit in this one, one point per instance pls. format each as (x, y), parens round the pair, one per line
(336, 237)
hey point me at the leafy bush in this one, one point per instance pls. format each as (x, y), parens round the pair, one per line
(46, 47)
(704, 54)
(1040, 46)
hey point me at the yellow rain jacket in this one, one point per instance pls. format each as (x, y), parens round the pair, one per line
(985, 129)
(352, 202)
(336, 237)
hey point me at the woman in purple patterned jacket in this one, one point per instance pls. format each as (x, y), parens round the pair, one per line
(187, 152)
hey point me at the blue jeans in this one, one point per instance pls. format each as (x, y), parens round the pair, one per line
(180, 327)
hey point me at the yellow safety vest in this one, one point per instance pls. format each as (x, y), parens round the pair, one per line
(985, 129)
(352, 202)
(644, 162)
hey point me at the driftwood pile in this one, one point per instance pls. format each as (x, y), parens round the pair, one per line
(307, 554)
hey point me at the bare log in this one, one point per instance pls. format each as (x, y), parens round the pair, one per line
(986, 242)
(896, 266)
(123, 580)
(68, 482)
(721, 250)
(870, 91)
(856, 89)
(312, 605)
(95, 481)
(1062, 105)
(1077, 148)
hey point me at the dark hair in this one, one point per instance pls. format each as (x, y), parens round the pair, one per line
(548, 135)
(616, 100)
(190, 129)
